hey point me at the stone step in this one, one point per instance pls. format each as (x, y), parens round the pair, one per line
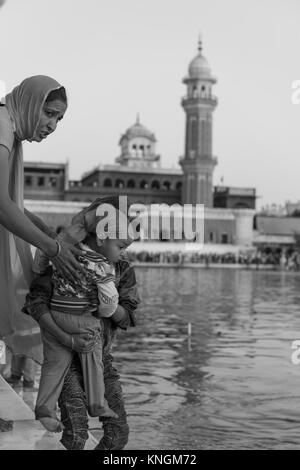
(27, 433)
(12, 407)
(30, 435)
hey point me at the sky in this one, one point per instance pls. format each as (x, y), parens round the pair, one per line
(118, 58)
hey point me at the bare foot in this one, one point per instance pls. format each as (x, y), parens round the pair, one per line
(52, 424)
(102, 412)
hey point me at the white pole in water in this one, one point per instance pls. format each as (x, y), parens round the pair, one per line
(189, 336)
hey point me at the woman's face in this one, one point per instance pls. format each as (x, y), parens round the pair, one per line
(52, 112)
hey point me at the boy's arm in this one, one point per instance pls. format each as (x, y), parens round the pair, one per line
(128, 297)
(38, 299)
(108, 298)
(37, 306)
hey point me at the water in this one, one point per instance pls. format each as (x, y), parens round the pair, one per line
(234, 385)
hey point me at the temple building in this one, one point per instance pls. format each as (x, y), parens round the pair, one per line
(139, 174)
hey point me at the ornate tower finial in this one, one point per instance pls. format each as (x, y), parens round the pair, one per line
(137, 118)
(198, 163)
(200, 42)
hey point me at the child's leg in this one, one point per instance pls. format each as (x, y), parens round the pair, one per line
(72, 405)
(92, 371)
(116, 431)
(17, 363)
(56, 363)
(92, 367)
(29, 370)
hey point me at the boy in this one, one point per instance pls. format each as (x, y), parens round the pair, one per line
(73, 312)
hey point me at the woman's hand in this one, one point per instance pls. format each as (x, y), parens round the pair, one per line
(83, 343)
(66, 263)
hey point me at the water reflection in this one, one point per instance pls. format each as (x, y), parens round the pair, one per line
(237, 386)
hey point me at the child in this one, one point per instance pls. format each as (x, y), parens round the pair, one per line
(73, 312)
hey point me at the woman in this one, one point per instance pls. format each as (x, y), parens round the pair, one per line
(30, 112)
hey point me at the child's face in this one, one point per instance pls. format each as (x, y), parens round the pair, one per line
(112, 249)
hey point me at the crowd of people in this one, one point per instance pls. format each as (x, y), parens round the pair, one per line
(288, 260)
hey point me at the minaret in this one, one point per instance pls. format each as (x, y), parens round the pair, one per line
(198, 162)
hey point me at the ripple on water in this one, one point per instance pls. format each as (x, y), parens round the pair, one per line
(233, 385)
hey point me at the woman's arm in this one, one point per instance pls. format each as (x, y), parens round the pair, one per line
(13, 219)
(39, 223)
(16, 222)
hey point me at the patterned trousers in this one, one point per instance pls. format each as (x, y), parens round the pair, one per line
(73, 406)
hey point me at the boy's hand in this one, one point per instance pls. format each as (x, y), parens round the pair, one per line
(84, 343)
(120, 317)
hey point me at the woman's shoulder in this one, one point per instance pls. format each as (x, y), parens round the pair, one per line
(6, 129)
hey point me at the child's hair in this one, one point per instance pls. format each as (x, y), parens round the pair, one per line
(116, 226)
(59, 228)
(59, 94)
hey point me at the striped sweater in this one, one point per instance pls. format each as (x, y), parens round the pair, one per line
(70, 298)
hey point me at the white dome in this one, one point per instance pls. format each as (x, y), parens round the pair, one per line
(199, 67)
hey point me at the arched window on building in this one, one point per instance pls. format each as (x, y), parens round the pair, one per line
(28, 180)
(52, 182)
(241, 205)
(166, 185)
(131, 184)
(224, 238)
(107, 183)
(41, 181)
(144, 184)
(155, 184)
(178, 185)
(203, 137)
(119, 184)
(194, 134)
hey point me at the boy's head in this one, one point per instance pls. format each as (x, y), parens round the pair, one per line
(103, 226)
(112, 249)
(108, 231)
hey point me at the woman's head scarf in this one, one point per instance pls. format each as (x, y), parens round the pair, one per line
(25, 104)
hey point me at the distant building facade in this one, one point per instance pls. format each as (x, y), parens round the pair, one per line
(276, 231)
(45, 181)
